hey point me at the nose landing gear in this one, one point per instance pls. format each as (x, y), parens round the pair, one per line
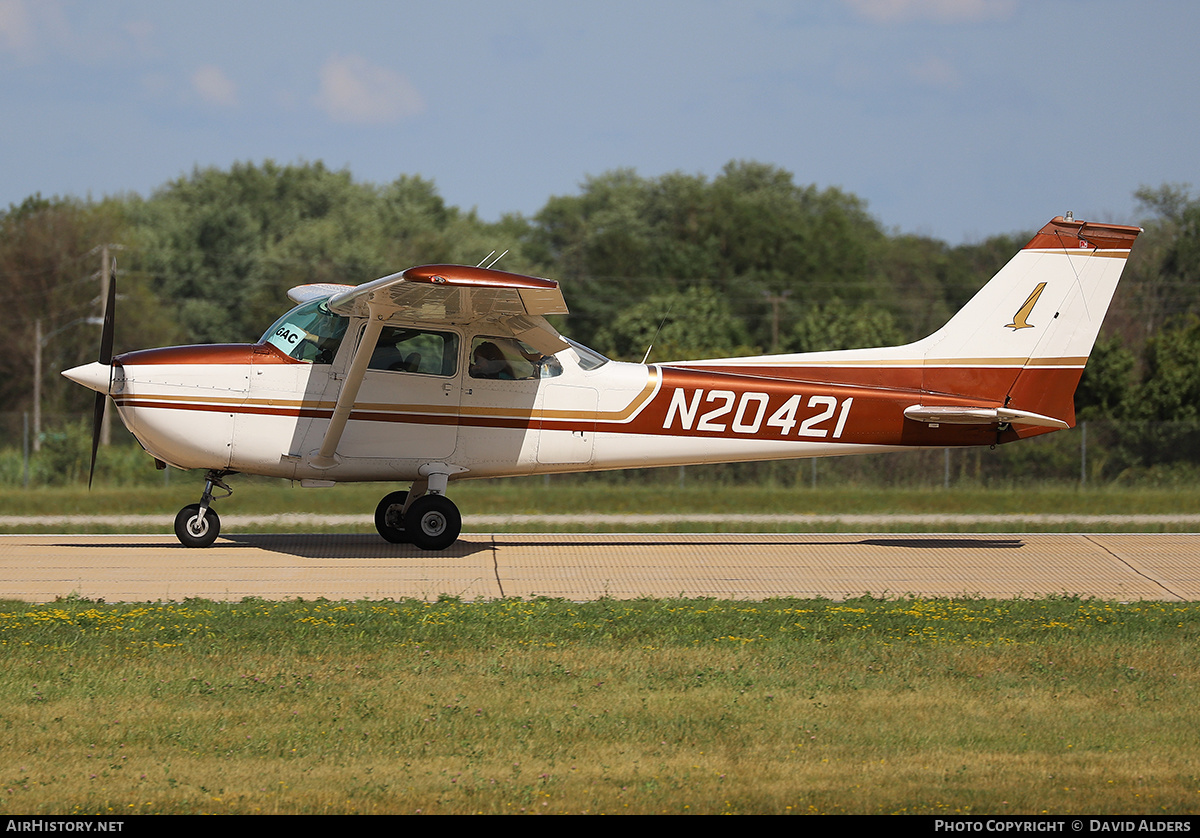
(197, 525)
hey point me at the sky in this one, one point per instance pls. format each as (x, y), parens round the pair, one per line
(957, 119)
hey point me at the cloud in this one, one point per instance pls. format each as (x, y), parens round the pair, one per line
(16, 27)
(214, 86)
(936, 72)
(142, 34)
(353, 90)
(37, 31)
(937, 11)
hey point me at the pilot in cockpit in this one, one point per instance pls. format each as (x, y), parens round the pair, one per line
(508, 359)
(487, 361)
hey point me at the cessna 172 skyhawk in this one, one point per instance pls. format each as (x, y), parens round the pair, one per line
(446, 372)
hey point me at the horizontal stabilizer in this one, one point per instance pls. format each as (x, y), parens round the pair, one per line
(970, 415)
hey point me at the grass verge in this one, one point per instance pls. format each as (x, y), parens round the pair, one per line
(566, 495)
(699, 706)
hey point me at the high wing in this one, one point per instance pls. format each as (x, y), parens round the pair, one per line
(513, 305)
(458, 295)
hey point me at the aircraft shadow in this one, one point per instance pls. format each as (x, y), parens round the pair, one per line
(915, 542)
(942, 542)
(305, 545)
(350, 546)
(358, 546)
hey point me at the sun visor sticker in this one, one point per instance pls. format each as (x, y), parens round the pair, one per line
(286, 337)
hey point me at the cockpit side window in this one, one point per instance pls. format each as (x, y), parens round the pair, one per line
(309, 332)
(404, 349)
(509, 359)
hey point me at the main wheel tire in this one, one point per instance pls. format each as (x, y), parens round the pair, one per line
(433, 522)
(389, 518)
(193, 532)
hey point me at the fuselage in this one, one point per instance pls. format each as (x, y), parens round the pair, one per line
(252, 408)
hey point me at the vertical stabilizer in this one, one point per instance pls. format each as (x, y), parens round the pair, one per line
(1029, 331)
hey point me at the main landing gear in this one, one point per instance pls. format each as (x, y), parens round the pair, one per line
(197, 525)
(429, 521)
(389, 518)
(433, 522)
(422, 516)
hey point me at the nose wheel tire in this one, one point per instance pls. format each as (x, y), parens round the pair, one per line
(193, 532)
(389, 518)
(433, 522)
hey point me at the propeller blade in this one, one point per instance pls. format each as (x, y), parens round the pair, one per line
(106, 345)
(97, 421)
(110, 317)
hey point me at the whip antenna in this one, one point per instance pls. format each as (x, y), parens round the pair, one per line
(656, 331)
(489, 256)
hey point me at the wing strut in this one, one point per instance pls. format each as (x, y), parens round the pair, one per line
(326, 456)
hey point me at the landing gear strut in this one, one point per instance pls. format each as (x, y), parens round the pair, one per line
(197, 525)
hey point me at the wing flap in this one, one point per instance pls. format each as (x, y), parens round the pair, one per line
(543, 301)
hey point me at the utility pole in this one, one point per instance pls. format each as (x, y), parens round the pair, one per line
(40, 340)
(37, 385)
(776, 300)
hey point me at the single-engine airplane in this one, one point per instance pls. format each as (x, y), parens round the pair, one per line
(447, 372)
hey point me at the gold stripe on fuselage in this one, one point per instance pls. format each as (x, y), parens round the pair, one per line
(292, 406)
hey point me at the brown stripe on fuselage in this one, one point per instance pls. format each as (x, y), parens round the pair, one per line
(873, 412)
(213, 353)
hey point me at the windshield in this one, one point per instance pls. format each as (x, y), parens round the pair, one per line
(589, 359)
(309, 332)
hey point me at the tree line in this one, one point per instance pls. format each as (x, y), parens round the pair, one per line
(745, 262)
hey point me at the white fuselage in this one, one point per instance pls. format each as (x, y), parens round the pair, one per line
(251, 409)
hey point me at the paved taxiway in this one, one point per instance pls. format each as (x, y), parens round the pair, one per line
(140, 568)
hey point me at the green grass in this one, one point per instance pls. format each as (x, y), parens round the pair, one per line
(562, 495)
(534, 495)
(699, 706)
